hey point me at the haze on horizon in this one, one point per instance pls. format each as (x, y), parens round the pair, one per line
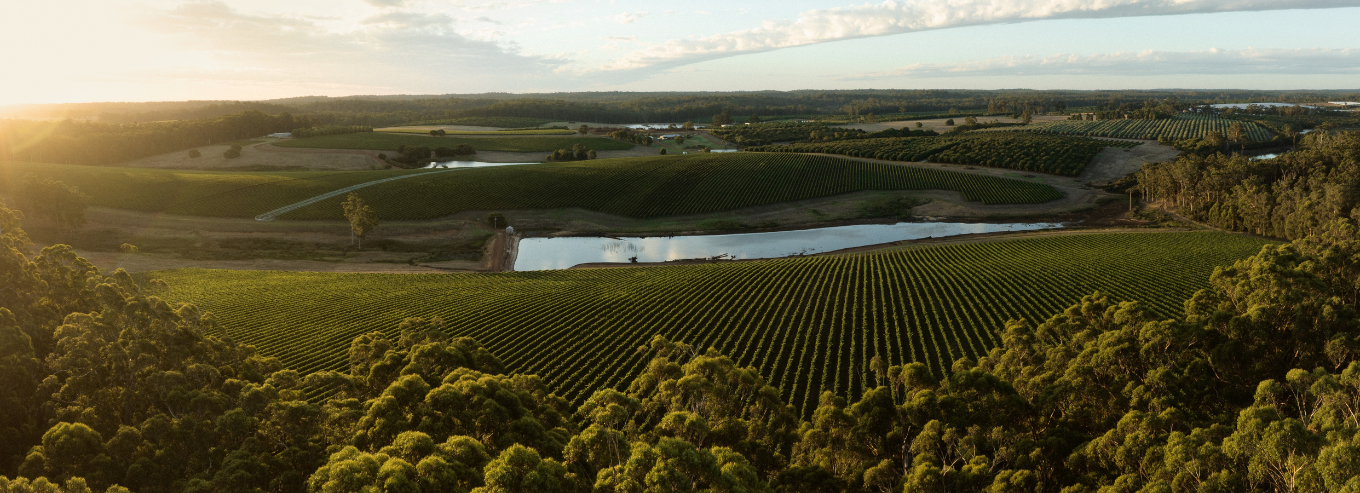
(160, 50)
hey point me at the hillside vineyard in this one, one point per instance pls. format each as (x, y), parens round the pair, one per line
(807, 324)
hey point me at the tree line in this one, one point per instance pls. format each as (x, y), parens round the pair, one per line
(1295, 195)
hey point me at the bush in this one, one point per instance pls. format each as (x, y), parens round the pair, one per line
(663, 152)
(128, 248)
(232, 153)
(193, 153)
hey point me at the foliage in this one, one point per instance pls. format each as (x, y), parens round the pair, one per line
(361, 217)
(805, 323)
(391, 141)
(1042, 153)
(50, 199)
(657, 187)
(233, 152)
(1295, 195)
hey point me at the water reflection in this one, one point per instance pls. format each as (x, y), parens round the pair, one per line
(468, 164)
(561, 253)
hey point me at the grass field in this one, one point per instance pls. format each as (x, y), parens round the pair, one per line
(808, 324)
(666, 186)
(196, 193)
(384, 141)
(1054, 154)
(426, 131)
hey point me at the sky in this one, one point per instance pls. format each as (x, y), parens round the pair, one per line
(167, 50)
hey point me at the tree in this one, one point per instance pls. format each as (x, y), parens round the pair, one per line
(969, 120)
(1288, 131)
(919, 125)
(591, 154)
(687, 126)
(663, 151)
(724, 118)
(232, 153)
(949, 122)
(193, 153)
(1214, 139)
(583, 130)
(51, 199)
(1237, 133)
(753, 119)
(497, 220)
(361, 218)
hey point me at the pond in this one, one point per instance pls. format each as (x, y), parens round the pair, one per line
(658, 126)
(564, 252)
(1264, 156)
(467, 164)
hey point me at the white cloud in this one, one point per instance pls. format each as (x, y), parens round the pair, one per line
(388, 3)
(1309, 61)
(420, 51)
(626, 18)
(905, 16)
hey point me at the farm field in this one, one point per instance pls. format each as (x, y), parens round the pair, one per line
(806, 324)
(426, 130)
(391, 141)
(666, 186)
(1173, 128)
(1057, 155)
(195, 193)
(632, 187)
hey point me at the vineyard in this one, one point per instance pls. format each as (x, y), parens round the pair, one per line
(1179, 128)
(807, 324)
(386, 141)
(666, 186)
(426, 130)
(199, 193)
(1021, 151)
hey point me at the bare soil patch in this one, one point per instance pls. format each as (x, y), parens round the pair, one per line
(1112, 164)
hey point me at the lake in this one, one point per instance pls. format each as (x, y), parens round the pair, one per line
(564, 252)
(467, 164)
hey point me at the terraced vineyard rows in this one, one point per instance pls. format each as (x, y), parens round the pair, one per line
(807, 324)
(1173, 128)
(1027, 152)
(200, 193)
(667, 186)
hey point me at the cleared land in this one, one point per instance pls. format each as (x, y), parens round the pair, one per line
(264, 156)
(1060, 155)
(1178, 128)
(808, 324)
(666, 186)
(939, 124)
(391, 141)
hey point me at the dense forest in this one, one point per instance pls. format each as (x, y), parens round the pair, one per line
(1295, 195)
(1255, 387)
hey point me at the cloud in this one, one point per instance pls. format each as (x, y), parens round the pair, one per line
(905, 16)
(388, 3)
(488, 20)
(626, 18)
(412, 50)
(1308, 61)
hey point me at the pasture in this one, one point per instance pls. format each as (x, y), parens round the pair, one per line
(384, 141)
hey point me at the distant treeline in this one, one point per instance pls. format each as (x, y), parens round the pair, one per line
(623, 107)
(75, 142)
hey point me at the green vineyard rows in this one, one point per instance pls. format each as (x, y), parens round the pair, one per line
(636, 187)
(1178, 128)
(1021, 151)
(195, 193)
(384, 141)
(807, 324)
(666, 186)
